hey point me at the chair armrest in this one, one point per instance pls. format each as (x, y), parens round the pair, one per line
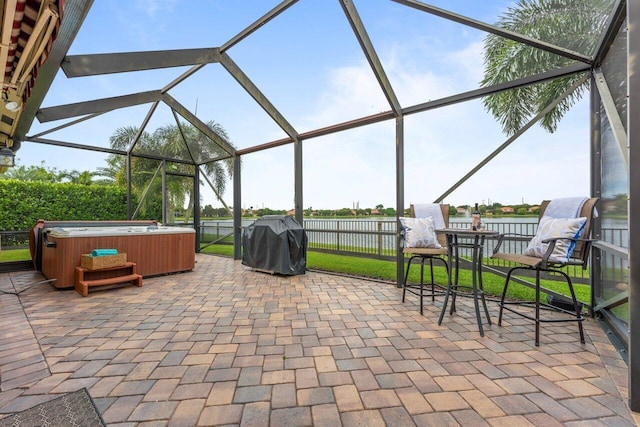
(552, 244)
(504, 236)
(573, 239)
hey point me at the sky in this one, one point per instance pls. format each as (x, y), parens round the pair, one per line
(308, 63)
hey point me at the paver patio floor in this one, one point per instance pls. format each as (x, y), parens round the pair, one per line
(225, 345)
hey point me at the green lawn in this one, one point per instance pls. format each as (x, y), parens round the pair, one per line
(15, 255)
(386, 270)
(379, 269)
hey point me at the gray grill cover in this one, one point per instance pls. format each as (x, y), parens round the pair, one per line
(275, 243)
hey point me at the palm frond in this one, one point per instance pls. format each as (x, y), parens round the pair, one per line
(573, 24)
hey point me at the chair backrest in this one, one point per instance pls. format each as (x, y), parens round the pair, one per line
(442, 238)
(581, 252)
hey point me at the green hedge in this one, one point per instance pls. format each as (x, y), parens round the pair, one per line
(22, 203)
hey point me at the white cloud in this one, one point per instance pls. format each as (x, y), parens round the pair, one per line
(441, 146)
(154, 8)
(467, 63)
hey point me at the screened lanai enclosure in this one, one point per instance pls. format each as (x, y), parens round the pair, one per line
(309, 95)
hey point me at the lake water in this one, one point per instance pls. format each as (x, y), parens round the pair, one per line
(379, 232)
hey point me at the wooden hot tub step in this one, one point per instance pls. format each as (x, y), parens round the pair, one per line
(122, 274)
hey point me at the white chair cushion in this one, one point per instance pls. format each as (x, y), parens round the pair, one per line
(550, 228)
(419, 233)
(433, 210)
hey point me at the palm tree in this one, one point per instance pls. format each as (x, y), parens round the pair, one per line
(142, 169)
(109, 174)
(31, 173)
(168, 142)
(573, 24)
(82, 178)
(219, 172)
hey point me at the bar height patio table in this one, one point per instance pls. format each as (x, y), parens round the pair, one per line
(461, 238)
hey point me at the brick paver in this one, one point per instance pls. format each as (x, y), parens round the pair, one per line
(226, 345)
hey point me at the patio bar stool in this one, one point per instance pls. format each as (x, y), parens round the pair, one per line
(436, 250)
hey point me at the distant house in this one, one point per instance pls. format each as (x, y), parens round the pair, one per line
(507, 210)
(461, 211)
(291, 212)
(533, 208)
(375, 211)
(609, 206)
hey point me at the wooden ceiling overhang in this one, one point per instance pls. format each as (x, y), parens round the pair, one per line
(29, 28)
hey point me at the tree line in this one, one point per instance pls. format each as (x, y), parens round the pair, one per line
(181, 141)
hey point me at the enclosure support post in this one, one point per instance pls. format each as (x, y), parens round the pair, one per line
(237, 209)
(399, 197)
(128, 169)
(596, 191)
(297, 154)
(196, 206)
(164, 191)
(633, 138)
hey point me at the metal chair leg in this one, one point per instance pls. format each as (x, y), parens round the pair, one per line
(406, 276)
(538, 305)
(504, 293)
(484, 300)
(433, 286)
(421, 285)
(537, 308)
(413, 288)
(576, 306)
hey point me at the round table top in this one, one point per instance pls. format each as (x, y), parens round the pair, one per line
(467, 232)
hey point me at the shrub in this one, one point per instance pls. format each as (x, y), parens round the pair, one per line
(22, 203)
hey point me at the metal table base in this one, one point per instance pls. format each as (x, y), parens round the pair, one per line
(466, 239)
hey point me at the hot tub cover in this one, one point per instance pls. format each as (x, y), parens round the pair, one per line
(275, 243)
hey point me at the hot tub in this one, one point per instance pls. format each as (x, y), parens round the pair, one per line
(156, 249)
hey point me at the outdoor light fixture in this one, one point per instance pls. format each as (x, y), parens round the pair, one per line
(12, 106)
(7, 157)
